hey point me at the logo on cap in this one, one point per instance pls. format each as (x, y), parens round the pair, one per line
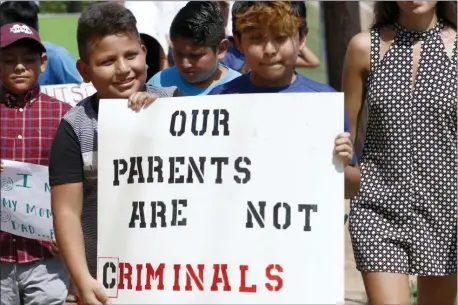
(20, 29)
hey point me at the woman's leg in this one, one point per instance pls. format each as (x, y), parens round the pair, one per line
(434, 290)
(387, 288)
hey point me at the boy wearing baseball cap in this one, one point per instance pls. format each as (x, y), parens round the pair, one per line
(31, 271)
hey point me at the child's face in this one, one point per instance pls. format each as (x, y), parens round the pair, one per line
(270, 55)
(197, 63)
(20, 68)
(116, 66)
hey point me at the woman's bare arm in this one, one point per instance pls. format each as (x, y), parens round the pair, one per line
(355, 72)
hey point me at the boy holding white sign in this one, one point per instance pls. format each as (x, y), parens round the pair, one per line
(271, 34)
(114, 60)
(30, 271)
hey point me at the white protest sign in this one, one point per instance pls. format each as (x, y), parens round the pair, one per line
(26, 201)
(234, 199)
(69, 93)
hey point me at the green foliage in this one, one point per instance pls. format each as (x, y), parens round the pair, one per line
(58, 7)
(413, 293)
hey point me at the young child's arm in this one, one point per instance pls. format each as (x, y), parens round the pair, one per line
(307, 59)
(66, 178)
(352, 173)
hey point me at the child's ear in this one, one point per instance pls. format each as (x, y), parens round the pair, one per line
(302, 38)
(43, 62)
(83, 69)
(144, 49)
(222, 48)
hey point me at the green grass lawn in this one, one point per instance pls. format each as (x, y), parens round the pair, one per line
(62, 31)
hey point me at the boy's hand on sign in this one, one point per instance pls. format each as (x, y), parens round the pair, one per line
(54, 249)
(140, 100)
(344, 148)
(1, 166)
(92, 293)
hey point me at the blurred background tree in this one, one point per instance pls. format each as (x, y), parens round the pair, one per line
(62, 7)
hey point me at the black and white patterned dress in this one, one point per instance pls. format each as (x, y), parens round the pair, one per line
(404, 219)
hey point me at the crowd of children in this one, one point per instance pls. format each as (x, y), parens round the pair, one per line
(268, 41)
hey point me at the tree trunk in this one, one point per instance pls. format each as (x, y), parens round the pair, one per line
(341, 22)
(74, 7)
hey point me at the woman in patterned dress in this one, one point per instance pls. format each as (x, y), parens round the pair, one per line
(404, 219)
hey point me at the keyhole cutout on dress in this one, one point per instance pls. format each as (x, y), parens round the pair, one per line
(416, 56)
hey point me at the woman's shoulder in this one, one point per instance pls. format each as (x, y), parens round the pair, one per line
(359, 51)
(361, 43)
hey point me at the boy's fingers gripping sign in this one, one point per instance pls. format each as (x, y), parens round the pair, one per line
(344, 147)
(95, 295)
(140, 100)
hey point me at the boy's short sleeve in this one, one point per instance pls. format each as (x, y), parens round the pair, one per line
(177, 93)
(155, 80)
(65, 160)
(347, 129)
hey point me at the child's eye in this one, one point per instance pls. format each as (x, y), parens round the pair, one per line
(282, 37)
(255, 37)
(131, 55)
(30, 60)
(107, 63)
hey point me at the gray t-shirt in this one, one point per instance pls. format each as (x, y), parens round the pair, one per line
(73, 159)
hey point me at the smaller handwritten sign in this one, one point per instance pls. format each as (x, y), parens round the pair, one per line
(69, 93)
(26, 201)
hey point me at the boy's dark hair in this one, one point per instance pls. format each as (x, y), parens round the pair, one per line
(296, 8)
(19, 11)
(103, 19)
(201, 22)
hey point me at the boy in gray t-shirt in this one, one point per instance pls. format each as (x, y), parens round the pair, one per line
(113, 59)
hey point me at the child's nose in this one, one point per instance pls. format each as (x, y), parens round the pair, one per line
(122, 67)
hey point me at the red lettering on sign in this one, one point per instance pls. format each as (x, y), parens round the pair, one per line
(274, 277)
(195, 277)
(125, 273)
(191, 274)
(243, 287)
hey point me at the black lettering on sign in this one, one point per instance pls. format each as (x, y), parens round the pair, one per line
(105, 275)
(136, 170)
(308, 208)
(177, 212)
(198, 171)
(260, 216)
(219, 161)
(137, 214)
(118, 171)
(241, 169)
(220, 118)
(287, 222)
(156, 214)
(174, 131)
(203, 129)
(217, 121)
(175, 170)
(157, 169)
